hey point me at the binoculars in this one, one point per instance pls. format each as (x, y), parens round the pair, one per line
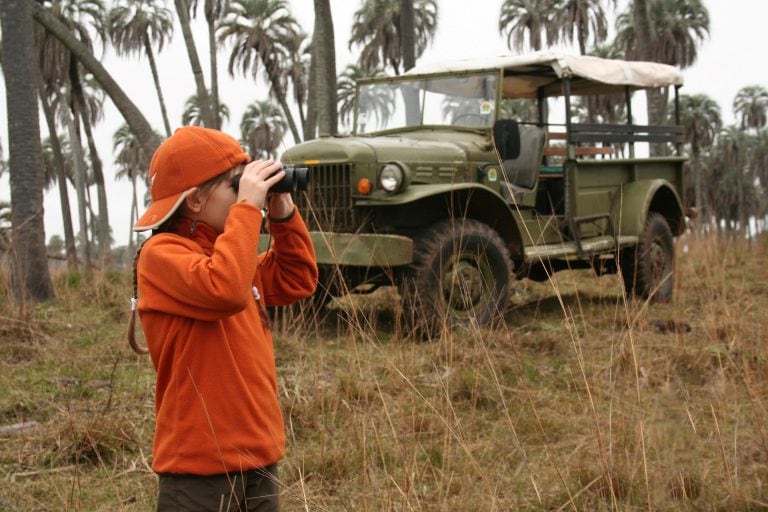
(296, 179)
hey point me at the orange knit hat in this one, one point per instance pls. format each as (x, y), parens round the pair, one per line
(186, 159)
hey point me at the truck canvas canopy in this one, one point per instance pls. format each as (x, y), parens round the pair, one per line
(527, 76)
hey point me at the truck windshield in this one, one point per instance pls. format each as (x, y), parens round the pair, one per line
(468, 101)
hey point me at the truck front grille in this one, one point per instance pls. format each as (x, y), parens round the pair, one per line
(327, 204)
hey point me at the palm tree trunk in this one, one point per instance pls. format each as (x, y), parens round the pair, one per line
(325, 72)
(536, 37)
(310, 125)
(582, 35)
(302, 116)
(127, 108)
(407, 34)
(698, 197)
(408, 54)
(58, 157)
(103, 230)
(93, 219)
(30, 278)
(102, 220)
(288, 115)
(643, 29)
(156, 78)
(214, 72)
(274, 79)
(77, 157)
(655, 100)
(194, 61)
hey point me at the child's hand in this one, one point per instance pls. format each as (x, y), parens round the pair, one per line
(257, 180)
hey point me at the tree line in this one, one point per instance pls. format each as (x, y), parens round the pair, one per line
(53, 67)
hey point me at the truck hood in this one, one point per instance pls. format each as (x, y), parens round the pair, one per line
(407, 150)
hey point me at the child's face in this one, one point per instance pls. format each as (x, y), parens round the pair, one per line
(215, 207)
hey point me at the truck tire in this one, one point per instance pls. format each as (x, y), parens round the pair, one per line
(648, 269)
(460, 276)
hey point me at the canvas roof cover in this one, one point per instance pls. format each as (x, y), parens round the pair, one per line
(524, 74)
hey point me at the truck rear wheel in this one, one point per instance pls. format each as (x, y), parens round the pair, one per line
(648, 269)
(460, 276)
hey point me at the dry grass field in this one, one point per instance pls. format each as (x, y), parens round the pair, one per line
(583, 400)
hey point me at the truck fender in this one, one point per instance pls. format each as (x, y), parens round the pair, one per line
(460, 200)
(633, 201)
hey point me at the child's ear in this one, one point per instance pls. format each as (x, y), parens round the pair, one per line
(194, 201)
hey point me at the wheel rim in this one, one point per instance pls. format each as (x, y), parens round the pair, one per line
(660, 262)
(464, 285)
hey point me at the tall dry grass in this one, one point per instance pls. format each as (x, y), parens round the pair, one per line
(583, 400)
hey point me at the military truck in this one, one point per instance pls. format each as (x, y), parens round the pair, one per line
(442, 192)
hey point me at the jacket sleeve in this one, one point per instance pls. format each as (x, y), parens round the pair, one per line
(288, 270)
(177, 277)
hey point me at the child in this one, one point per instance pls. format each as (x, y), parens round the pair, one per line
(204, 290)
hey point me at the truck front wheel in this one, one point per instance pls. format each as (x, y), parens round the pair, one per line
(460, 276)
(648, 269)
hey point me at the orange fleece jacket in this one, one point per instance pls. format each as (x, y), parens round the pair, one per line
(216, 395)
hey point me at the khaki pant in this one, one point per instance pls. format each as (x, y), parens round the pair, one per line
(250, 491)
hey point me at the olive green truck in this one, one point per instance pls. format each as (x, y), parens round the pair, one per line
(446, 191)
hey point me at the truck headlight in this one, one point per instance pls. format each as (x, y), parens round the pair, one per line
(391, 177)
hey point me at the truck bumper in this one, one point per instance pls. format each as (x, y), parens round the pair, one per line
(360, 250)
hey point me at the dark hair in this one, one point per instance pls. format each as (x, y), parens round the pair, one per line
(166, 227)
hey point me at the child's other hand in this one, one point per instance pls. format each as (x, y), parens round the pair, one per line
(257, 180)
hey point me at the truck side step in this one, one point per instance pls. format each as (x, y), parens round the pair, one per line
(570, 248)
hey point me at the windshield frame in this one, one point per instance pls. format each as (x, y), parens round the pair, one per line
(497, 73)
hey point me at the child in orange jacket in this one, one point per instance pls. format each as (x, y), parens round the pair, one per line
(204, 292)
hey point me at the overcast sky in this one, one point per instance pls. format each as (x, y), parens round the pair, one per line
(732, 57)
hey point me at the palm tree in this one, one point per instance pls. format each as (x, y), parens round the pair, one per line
(133, 116)
(376, 27)
(214, 10)
(51, 160)
(193, 113)
(30, 278)
(260, 32)
(585, 18)
(132, 164)
(138, 25)
(299, 73)
(60, 169)
(528, 18)
(194, 61)
(700, 116)
(751, 105)
(61, 67)
(676, 28)
(262, 128)
(760, 164)
(379, 100)
(61, 73)
(91, 100)
(734, 195)
(80, 168)
(523, 110)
